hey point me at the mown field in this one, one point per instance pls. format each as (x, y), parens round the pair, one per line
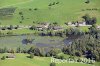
(22, 60)
(65, 11)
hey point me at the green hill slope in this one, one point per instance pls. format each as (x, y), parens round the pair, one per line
(64, 11)
(10, 2)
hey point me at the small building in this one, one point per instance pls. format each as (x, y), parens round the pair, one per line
(42, 26)
(81, 23)
(77, 23)
(57, 28)
(98, 27)
(45, 25)
(39, 27)
(69, 23)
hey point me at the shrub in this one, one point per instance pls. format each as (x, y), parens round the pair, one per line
(31, 55)
(3, 58)
(52, 64)
(35, 8)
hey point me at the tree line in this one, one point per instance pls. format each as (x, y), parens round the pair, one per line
(88, 45)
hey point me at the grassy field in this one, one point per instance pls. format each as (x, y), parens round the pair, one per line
(97, 64)
(19, 31)
(5, 3)
(65, 11)
(22, 60)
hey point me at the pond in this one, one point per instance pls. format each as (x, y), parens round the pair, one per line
(38, 41)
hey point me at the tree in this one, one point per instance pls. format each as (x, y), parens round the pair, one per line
(30, 9)
(78, 54)
(1, 50)
(5, 50)
(37, 52)
(79, 60)
(24, 50)
(20, 13)
(55, 23)
(89, 20)
(22, 17)
(31, 55)
(67, 50)
(31, 50)
(93, 30)
(47, 54)
(35, 9)
(93, 20)
(52, 64)
(53, 52)
(17, 27)
(88, 1)
(12, 51)
(50, 4)
(9, 33)
(57, 2)
(61, 57)
(53, 3)
(18, 50)
(20, 22)
(3, 58)
(11, 27)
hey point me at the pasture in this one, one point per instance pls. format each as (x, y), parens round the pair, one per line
(40, 11)
(22, 60)
(32, 12)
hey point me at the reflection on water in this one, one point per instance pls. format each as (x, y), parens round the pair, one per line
(67, 41)
(27, 41)
(38, 41)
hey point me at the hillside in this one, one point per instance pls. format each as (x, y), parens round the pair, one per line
(60, 11)
(32, 31)
(10, 2)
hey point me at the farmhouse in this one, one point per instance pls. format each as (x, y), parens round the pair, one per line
(42, 26)
(77, 24)
(81, 23)
(57, 27)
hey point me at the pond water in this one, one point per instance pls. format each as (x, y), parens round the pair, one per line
(38, 41)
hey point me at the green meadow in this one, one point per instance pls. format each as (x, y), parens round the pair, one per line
(39, 11)
(65, 11)
(22, 60)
